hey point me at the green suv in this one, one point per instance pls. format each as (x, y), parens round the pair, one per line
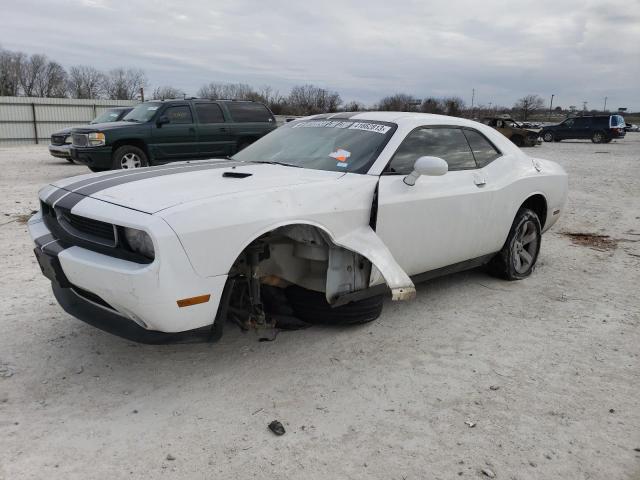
(158, 132)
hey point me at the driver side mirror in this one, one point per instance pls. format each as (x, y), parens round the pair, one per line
(431, 166)
(162, 120)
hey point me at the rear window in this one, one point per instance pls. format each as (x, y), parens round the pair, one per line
(249, 112)
(617, 121)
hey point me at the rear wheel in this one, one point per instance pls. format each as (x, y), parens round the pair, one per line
(128, 157)
(312, 307)
(598, 137)
(518, 256)
(607, 140)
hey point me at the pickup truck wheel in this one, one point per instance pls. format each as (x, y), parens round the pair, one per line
(312, 307)
(598, 137)
(517, 140)
(127, 157)
(548, 137)
(518, 256)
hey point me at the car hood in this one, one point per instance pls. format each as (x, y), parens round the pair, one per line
(153, 189)
(101, 127)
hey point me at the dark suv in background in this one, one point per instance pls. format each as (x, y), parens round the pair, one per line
(162, 131)
(61, 140)
(599, 128)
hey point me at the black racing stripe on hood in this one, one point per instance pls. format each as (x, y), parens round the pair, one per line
(114, 182)
(71, 199)
(127, 173)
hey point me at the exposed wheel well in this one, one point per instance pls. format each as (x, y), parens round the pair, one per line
(135, 142)
(538, 204)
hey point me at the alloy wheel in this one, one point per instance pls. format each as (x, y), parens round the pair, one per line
(130, 160)
(525, 247)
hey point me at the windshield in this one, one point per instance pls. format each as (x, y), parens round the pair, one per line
(143, 112)
(107, 116)
(335, 145)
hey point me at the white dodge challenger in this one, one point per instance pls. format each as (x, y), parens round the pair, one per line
(316, 221)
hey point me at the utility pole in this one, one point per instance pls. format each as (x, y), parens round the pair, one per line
(584, 105)
(551, 106)
(141, 94)
(605, 105)
(473, 97)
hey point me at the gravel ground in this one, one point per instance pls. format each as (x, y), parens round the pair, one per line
(546, 369)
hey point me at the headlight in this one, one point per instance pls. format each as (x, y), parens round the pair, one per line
(68, 139)
(96, 139)
(139, 242)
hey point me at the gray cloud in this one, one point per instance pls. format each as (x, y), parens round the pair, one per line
(577, 50)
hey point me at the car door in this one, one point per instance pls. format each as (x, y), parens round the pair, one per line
(215, 138)
(565, 129)
(581, 127)
(177, 139)
(439, 221)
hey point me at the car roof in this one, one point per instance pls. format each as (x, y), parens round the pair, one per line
(400, 118)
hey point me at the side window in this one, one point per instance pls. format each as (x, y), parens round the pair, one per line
(209, 113)
(483, 151)
(568, 123)
(179, 114)
(581, 123)
(249, 112)
(450, 144)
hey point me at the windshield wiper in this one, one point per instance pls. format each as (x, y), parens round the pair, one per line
(271, 162)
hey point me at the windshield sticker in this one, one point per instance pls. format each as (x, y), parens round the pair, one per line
(341, 155)
(322, 124)
(152, 108)
(370, 127)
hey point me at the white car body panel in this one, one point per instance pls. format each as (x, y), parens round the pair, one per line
(200, 221)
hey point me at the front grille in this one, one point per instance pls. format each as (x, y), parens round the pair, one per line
(58, 139)
(80, 139)
(87, 226)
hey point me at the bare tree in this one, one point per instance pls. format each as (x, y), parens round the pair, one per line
(166, 91)
(31, 69)
(10, 63)
(121, 84)
(233, 91)
(52, 81)
(453, 106)
(399, 102)
(432, 105)
(528, 104)
(85, 82)
(354, 106)
(309, 99)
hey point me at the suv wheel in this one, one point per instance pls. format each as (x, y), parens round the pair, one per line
(548, 137)
(598, 137)
(128, 157)
(518, 256)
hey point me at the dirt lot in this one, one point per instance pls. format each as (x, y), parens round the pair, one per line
(547, 369)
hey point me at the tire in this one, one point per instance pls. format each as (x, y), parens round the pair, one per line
(127, 157)
(518, 256)
(96, 170)
(312, 307)
(598, 137)
(608, 140)
(517, 140)
(548, 137)
(70, 160)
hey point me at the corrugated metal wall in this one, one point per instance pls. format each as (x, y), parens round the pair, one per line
(29, 120)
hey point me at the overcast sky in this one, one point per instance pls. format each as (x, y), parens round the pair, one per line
(578, 50)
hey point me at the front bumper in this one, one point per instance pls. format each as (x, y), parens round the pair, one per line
(96, 157)
(135, 301)
(60, 151)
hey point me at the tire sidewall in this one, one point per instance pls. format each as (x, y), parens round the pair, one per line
(122, 151)
(547, 137)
